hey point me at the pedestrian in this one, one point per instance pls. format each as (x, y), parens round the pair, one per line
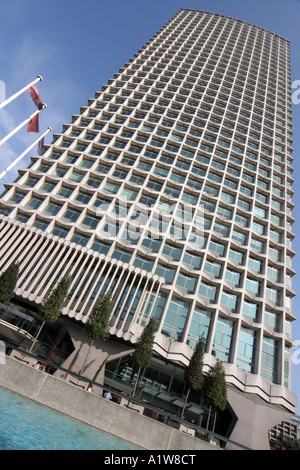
(107, 396)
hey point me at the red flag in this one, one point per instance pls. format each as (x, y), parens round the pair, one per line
(34, 95)
(33, 125)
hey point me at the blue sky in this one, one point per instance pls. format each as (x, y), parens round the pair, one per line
(77, 46)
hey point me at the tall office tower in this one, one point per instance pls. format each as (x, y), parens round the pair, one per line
(171, 190)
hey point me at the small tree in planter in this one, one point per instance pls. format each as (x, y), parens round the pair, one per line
(143, 351)
(215, 389)
(52, 306)
(8, 282)
(97, 326)
(193, 373)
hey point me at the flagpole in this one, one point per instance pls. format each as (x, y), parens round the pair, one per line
(4, 103)
(6, 170)
(21, 125)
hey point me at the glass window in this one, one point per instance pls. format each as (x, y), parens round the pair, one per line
(91, 221)
(71, 214)
(122, 255)
(175, 319)
(199, 326)
(83, 198)
(222, 340)
(167, 273)
(80, 239)
(246, 349)
(192, 259)
(255, 264)
(233, 276)
(187, 282)
(34, 202)
(250, 309)
(272, 319)
(207, 290)
(253, 285)
(101, 247)
(229, 300)
(212, 268)
(143, 263)
(173, 251)
(269, 359)
(52, 208)
(218, 248)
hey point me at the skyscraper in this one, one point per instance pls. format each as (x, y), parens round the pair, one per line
(171, 190)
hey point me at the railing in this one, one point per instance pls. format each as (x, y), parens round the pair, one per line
(135, 404)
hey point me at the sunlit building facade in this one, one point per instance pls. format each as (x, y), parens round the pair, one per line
(172, 190)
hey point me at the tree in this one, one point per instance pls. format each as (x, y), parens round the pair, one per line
(143, 351)
(193, 373)
(291, 444)
(97, 326)
(52, 306)
(215, 388)
(8, 282)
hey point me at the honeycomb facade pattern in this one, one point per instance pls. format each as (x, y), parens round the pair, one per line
(172, 190)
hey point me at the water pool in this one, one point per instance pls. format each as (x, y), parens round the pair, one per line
(25, 425)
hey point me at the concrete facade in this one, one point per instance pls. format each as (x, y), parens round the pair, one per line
(172, 191)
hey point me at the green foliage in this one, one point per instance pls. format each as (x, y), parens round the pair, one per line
(193, 373)
(8, 281)
(97, 326)
(215, 387)
(291, 444)
(51, 308)
(143, 351)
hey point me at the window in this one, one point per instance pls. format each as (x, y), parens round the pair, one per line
(83, 198)
(246, 349)
(187, 282)
(143, 263)
(237, 256)
(253, 285)
(192, 259)
(153, 245)
(229, 300)
(167, 273)
(59, 231)
(208, 291)
(212, 268)
(172, 251)
(250, 309)
(272, 319)
(175, 319)
(199, 326)
(111, 188)
(255, 264)
(273, 295)
(34, 202)
(71, 214)
(269, 359)
(52, 208)
(222, 339)
(80, 239)
(218, 248)
(122, 255)
(233, 276)
(91, 221)
(101, 247)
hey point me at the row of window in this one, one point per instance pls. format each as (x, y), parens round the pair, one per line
(175, 325)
